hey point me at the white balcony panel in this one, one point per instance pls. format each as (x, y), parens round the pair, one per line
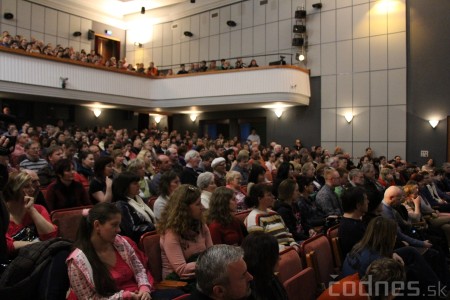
(248, 88)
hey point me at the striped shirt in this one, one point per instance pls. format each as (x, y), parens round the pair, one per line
(271, 222)
(33, 165)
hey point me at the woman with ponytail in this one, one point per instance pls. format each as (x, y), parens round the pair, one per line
(104, 265)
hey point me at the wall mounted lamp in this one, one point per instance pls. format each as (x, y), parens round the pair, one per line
(193, 117)
(231, 23)
(348, 117)
(301, 56)
(278, 113)
(317, 5)
(77, 33)
(188, 34)
(143, 10)
(157, 119)
(137, 44)
(97, 112)
(433, 123)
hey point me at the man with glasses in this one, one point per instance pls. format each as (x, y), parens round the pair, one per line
(33, 160)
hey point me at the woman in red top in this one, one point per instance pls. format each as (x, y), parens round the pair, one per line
(224, 227)
(29, 222)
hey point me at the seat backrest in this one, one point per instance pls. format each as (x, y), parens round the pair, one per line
(289, 264)
(333, 231)
(243, 214)
(68, 221)
(333, 237)
(302, 286)
(185, 296)
(149, 243)
(318, 254)
(151, 201)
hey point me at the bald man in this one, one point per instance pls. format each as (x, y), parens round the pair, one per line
(392, 198)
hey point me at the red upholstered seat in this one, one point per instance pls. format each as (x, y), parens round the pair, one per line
(68, 221)
(318, 255)
(332, 235)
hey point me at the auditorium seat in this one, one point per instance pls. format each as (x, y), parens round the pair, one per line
(317, 253)
(149, 243)
(332, 235)
(68, 221)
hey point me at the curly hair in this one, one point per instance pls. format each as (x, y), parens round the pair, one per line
(219, 206)
(176, 216)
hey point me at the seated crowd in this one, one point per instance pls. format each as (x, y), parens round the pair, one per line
(39, 47)
(191, 190)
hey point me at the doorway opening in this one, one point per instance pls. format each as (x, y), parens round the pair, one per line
(107, 47)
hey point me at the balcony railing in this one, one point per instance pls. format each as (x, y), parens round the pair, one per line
(23, 73)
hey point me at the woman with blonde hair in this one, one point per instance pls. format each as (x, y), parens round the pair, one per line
(29, 222)
(233, 180)
(184, 235)
(412, 203)
(146, 157)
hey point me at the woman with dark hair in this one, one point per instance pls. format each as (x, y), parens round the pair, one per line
(65, 192)
(167, 185)
(286, 206)
(378, 241)
(225, 228)
(284, 171)
(104, 265)
(183, 234)
(118, 162)
(264, 219)
(137, 217)
(257, 175)
(262, 264)
(229, 158)
(100, 185)
(85, 168)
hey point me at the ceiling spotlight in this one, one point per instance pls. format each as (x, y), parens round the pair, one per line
(300, 56)
(8, 16)
(188, 33)
(300, 14)
(192, 1)
(231, 23)
(299, 29)
(317, 5)
(298, 42)
(143, 10)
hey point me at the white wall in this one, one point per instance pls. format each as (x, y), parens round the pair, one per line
(260, 30)
(361, 52)
(357, 48)
(46, 24)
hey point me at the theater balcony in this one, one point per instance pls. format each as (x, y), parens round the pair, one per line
(41, 78)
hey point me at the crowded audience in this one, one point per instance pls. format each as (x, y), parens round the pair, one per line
(287, 195)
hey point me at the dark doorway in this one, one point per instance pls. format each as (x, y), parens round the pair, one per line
(246, 125)
(107, 47)
(215, 127)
